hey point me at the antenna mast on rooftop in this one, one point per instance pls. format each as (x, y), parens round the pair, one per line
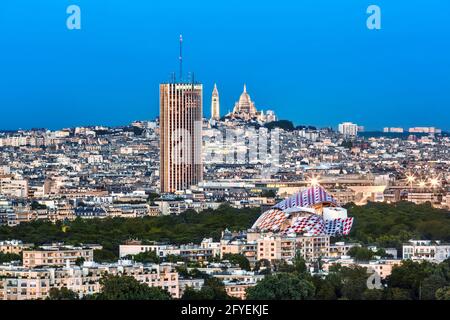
(181, 57)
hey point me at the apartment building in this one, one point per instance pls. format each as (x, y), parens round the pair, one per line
(232, 247)
(56, 256)
(382, 267)
(190, 252)
(208, 243)
(240, 276)
(313, 247)
(13, 246)
(340, 249)
(21, 283)
(18, 283)
(195, 284)
(275, 248)
(14, 187)
(421, 197)
(237, 289)
(434, 251)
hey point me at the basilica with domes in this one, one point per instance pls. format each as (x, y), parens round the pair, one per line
(245, 109)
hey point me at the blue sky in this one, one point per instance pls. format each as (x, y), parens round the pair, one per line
(312, 61)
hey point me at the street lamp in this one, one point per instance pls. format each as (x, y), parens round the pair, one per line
(410, 180)
(314, 181)
(422, 184)
(434, 182)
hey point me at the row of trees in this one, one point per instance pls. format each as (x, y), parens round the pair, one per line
(128, 288)
(386, 225)
(187, 227)
(115, 288)
(409, 281)
(362, 254)
(390, 225)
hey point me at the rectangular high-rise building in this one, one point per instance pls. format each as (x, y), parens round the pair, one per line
(393, 129)
(348, 129)
(180, 135)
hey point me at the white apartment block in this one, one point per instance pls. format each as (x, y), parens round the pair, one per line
(13, 246)
(21, 283)
(421, 197)
(14, 187)
(433, 251)
(340, 249)
(348, 129)
(190, 252)
(161, 250)
(431, 130)
(285, 248)
(393, 129)
(382, 267)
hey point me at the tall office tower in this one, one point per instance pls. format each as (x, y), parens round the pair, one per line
(348, 129)
(215, 104)
(180, 135)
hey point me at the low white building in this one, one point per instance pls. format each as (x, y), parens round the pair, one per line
(22, 283)
(433, 251)
(383, 267)
(340, 249)
(135, 247)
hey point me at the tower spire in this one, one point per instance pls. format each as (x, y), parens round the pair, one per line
(215, 104)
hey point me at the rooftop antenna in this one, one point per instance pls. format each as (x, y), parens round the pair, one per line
(181, 57)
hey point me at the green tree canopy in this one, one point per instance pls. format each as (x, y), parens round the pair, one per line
(146, 257)
(9, 257)
(443, 293)
(354, 282)
(238, 259)
(361, 254)
(128, 288)
(282, 286)
(282, 124)
(431, 285)
(409, 276)
(213, 289)
(103, 255)
(299, 264)
(390, 225)
(187, 227)
(270, 193)
(62, 294)
(324, 289)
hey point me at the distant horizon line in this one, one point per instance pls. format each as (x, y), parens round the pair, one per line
(154, 120)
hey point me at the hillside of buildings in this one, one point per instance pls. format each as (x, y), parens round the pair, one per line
(385, 225)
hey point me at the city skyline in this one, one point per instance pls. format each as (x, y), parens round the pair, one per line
(108, 72)
(206, 153)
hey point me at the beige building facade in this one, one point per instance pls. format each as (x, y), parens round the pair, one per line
(20, 283)
(52, 256)
(180, 136)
